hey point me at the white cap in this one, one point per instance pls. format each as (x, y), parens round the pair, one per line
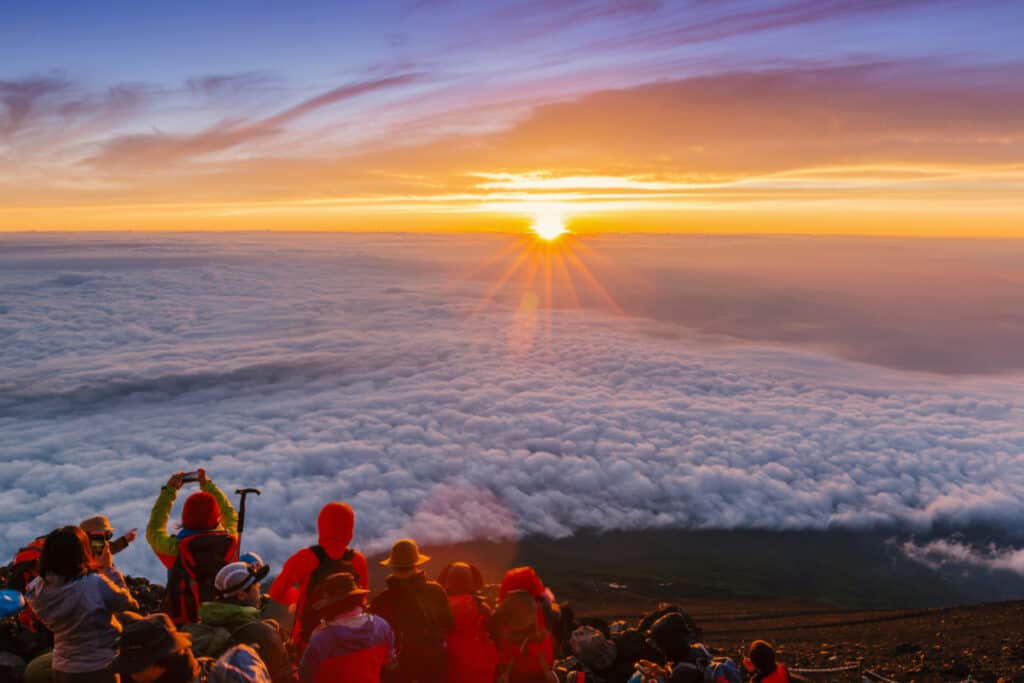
(237, 577)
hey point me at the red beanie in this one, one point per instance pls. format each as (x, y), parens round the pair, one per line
(200, 512)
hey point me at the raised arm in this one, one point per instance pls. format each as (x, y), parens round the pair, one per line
(162, 543)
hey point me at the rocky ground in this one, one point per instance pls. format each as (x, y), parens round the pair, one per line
(980, 642)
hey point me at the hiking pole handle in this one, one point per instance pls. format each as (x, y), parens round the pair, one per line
(242, 493)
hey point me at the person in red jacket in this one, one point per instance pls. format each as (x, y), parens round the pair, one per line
(761, 663)
(307, 568)
(524, 627)
(472, 656)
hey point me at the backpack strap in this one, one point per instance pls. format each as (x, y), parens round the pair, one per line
(321, 554)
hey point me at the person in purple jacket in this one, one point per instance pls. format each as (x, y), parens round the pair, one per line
(349, 644)
(78, 605)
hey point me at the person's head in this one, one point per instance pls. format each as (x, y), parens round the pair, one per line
(152, 649)
(335, 595)
(200, 512)
(100, 532)
(335, 524)
(760, 657)
(671, 636)
(461, 578)
(521, 579)
(66, 554)
(405, 558)
(240, 582)
(589, 645)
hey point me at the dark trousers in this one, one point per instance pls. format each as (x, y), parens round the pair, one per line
(102, 676)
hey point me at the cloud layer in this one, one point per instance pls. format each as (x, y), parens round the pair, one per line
(362, 369)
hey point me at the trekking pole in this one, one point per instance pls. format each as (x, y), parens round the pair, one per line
(241, 509)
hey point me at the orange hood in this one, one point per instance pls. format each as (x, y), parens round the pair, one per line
(335, 526)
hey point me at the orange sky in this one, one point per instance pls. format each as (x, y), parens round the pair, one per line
(923, 146)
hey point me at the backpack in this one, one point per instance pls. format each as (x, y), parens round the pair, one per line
(190, 579)
(20, 572)
(714, 669)
(515, 620)
(25, 565)
(207, 640)
(326, 566)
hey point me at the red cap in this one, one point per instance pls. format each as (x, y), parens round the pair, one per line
(200, 512)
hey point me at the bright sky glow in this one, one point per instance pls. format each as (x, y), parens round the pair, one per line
(848, 117)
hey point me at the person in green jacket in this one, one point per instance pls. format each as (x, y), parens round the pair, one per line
(206, 510)
(208, 540)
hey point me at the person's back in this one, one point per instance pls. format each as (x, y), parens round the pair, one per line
(206, 542)
(472, 655)
(234, 619)
(350, 645)
(523, 626)
(418, 612)
(304, 570)
(78, 606)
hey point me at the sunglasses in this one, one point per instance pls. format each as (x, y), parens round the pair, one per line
(102, 536)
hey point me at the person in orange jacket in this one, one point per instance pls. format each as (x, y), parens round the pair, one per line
(761, 663)
(304, 570)
(526, 642)
(472, 655)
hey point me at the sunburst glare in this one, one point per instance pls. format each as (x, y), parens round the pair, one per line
(549, 225)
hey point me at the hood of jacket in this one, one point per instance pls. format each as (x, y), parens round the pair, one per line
(54, 599)
(335, 526)
(227, 614)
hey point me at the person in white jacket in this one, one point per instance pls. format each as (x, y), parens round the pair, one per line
(77, 604)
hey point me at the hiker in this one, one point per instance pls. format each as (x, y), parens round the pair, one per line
(208, 540)
(418, 612)
(472, 655)
(153, 651)
(595, 653)
(349, 645)
(21, 571)
(689, 662)
(304, 570)
(760, 662)
(233, 618)
(103, 549)
(524, 627)
(77, 604)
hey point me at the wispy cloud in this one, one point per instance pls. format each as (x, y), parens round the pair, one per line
(154, 149)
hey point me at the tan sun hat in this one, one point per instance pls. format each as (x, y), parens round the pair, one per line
(96, 525)
(405, 554)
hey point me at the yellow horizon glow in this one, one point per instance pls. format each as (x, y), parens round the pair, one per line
(898, 199)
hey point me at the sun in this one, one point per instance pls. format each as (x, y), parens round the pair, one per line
(549, 226)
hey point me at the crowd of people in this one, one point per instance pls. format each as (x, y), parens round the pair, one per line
(68, 603)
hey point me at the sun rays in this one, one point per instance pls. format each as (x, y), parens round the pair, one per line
(538, 274)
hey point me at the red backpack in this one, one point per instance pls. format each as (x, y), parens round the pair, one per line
(21, 571)
(190, 579)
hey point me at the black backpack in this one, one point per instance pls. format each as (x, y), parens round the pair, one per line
(190, 580)
(327, 566)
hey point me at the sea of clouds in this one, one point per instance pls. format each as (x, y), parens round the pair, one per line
(369, 369)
